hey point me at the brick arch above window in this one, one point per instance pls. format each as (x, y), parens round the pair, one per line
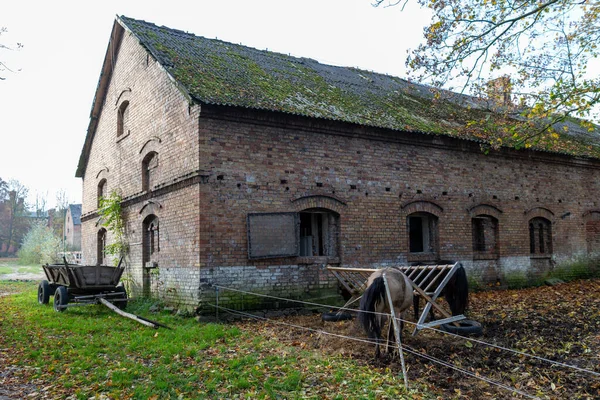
(123, 96)
(151, 145)
(427, 206)
(319, 201)
(591, 215)
(150, 207)
(102, 174)
(485, 209)
(542, 212)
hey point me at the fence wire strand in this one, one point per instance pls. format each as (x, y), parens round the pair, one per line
(517, 352)
(395, 346)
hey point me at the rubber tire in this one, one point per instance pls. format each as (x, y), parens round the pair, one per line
(335, 317)
(61, 299)
(44, 292)
(468, 327)
(121, 304)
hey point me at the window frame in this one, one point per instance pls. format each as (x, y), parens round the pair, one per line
(430, 236)
(540, 228)
(149, 163)
(480, 239)
(332, 231)
(101, 191)
(101, 239)
(123, 119)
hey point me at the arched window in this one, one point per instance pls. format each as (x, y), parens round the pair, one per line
(123, 119)
(319, 233)
(149, 169)
(151, 239)
(423, 236)
(101, 190)
(484, 230)
(101, 247)
(540, 236)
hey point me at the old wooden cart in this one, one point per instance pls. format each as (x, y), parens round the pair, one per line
(73, 284)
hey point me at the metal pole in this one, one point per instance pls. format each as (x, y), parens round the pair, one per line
(396, 330)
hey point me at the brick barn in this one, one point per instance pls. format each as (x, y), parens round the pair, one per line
(254, 170)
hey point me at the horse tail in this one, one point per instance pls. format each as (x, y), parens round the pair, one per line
(459, 299)
(370, 298)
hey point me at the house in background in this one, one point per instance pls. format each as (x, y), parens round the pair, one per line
(254, 170)
(72, 229)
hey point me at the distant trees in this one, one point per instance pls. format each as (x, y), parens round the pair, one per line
(14, 221)
(40, 245)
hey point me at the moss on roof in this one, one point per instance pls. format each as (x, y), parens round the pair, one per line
(217, 72)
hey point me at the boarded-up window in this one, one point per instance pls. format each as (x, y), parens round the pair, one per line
(273, 235)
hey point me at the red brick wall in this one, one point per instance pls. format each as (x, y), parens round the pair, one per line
(263, 162)
(160, 120)
(382, 177)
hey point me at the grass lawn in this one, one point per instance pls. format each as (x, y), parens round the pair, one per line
(11, 266)
(91, 351)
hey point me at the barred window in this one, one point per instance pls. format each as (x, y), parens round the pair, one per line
(540, 236)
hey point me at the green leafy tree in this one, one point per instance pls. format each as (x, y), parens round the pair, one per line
(40, 245)
(545, 47)
(112, 218)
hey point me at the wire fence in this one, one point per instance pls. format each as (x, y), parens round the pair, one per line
(406, 348)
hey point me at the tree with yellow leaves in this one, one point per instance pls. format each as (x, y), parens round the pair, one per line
(542, 54)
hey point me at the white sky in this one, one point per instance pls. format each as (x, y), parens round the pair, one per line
(45, 108)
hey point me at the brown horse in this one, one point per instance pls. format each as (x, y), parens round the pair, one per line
(374, 303)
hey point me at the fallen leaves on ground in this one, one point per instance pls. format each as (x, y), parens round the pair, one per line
(559, 323)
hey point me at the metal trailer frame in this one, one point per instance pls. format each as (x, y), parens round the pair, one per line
(428, 281)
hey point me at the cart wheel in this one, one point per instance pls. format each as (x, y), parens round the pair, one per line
(61, 298)
(122, 299)
(44, 292)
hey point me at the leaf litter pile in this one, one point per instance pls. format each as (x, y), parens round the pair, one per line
(560, 323)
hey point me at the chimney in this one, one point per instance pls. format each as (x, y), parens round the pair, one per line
(499, 91)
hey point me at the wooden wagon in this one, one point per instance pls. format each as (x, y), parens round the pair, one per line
(428, 282)
(81, 284)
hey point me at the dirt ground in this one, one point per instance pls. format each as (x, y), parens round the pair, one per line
(559, 323)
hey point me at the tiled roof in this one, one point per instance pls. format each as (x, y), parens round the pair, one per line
(217, 72)
(75, 213)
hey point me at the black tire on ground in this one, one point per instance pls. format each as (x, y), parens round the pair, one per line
(122, 299)
(335, 316)
(61, 299)
(467, 327)
(44, 292)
